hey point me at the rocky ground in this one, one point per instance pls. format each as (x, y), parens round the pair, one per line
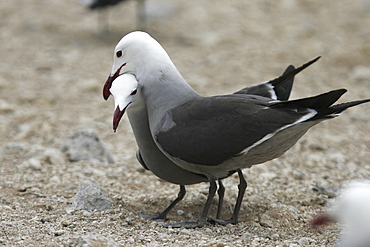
(54, 62)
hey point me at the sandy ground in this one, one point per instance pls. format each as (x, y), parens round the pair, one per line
(52, 69)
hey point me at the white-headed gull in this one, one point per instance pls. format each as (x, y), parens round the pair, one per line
(153, 159)
(212, 136)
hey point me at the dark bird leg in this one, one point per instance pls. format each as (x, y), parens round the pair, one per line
(203, 217)
(221, 193)
(234, 218)
(162, 217)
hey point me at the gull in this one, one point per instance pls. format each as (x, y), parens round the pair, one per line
(212, 136)
(151, 158)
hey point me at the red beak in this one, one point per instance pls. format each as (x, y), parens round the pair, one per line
(117, 116)
(107, 86)
(108, 83)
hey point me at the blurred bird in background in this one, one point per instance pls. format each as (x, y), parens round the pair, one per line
(351, 209)
(100, 5)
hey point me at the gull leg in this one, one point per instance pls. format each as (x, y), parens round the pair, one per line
(203, 217)
(234, 218)
(162, 217)
(221, 193)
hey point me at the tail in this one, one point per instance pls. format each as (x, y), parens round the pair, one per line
(278, 88)
(335, 110)
(283, 84)
(322, 103)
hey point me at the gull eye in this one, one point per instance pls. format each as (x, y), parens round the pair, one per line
(119, 53)
(133, 92)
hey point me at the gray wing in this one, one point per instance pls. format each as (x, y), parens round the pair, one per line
(211, 130)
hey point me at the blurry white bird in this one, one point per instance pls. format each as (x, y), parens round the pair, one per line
(352, 210)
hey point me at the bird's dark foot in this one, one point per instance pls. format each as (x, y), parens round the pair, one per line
(186, 224)
(222, 222)
(158, 218)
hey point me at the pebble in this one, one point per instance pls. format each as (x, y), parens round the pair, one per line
(246, 235)
(329, 191)
(86, 145)
(305, 241)
(267, 221)
(34, 163)
(130, 240)
(58, 233)
(53, 156)
(70, 210)
(185, 231)
(6, 107)
(91, 196)
(297, 174)
(180, 212)
(86, 213)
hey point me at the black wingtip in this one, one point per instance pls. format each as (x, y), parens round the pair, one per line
(290, 72)
(336, 110)
(321, 101)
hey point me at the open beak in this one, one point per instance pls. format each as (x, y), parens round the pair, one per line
(117, 116)
(108, 83)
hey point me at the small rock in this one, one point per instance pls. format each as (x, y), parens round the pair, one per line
(6, 107)
(55, 180)
(256, 241)
(329, 191)
(58, 233)
(180, 212)
(305, 241)
(297, 174)
(86, 145)
(93, 239)
(91, 197)
(86, 214)
(34, 164)
(185, 232)
(267, 221)
(246, 235)
(54, 157)
(69, 210)
(66, 222)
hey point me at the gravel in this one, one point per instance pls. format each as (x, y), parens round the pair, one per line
(52, 69)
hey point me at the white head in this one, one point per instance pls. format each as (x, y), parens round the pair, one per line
(139, 54)
(125, 92)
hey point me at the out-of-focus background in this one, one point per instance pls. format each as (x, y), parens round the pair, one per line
(55, 58)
